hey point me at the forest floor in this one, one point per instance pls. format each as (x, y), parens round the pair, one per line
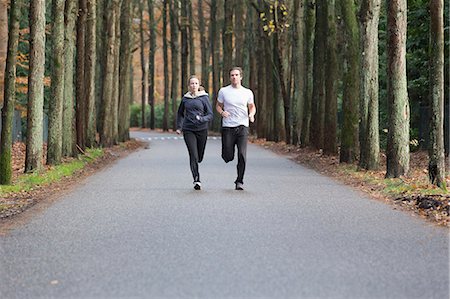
(412, 193)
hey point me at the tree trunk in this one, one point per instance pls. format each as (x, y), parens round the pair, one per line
(239, 8)
(166, 68)
(331, 81)
(310, 19)
(192, 40)
(151, 64)
(125, 70)
(68, 129)
(89, 73)
(350, 103)
(436, 166)
(80, 75)
(54, 147)
(184, 23)
(33, 159)
(204, 46)
(215, 51)
(318, 97)
(116, 74)
(298, 52)
(106, 133)
(369, 127)
(9, 94)
(227, 40)
(3, 44)
(398, 106)
(143, 67)
(175, 61)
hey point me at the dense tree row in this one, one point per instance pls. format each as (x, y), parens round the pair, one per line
(346, 77)
(87, 101)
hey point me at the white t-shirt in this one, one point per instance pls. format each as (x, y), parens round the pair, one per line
(235, 101)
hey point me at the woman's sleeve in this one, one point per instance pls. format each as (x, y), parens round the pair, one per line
(208, 113)
(180, 115)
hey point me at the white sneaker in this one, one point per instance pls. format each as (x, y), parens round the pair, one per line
(197, 185)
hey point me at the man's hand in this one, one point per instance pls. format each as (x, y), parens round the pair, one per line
(225, 114)
(251, 117)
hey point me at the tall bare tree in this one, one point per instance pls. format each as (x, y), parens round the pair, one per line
(107, 104)
(151, 63)
(369, 136)
(310, 19)
(397, 152)
(350, 98)
(205, 53)
(214, 37)
(331, 82)
(3, 43)
(165, 122)
(35, 113)
(90, 59)
(68, 137)
(9, 94)
(125, 70)
(184, 24)
(175, 49)
(227, 39)
(192, 39)
(436, 166)
(80, 75)
(318, 96)
(54, 147)
(143, 66)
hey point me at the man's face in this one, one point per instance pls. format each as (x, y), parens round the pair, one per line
(235, 77)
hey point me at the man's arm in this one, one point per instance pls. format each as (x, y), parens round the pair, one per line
(251, 111)
(220, 110)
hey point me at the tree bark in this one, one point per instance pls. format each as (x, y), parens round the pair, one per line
(35, 114)
(239, 8)
(205, 53)
(54, 147)
(331, 81)
(175, 48)
(398, 106)
(3, 44)
(227, 40)
(89, 73)
(436, 165)
(215, 52)
(192, 40)
(9, 94)
(106, 133)
(68, 129)
(369, 124)
(80, 75)
(143, 67)
(151, 64)
(310, 19)
(184, 23)
(125, 71)
(318, 96)
(166, 68)
(350, 103)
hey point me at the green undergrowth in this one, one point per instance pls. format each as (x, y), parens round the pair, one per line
(393, 187)
(27, 182)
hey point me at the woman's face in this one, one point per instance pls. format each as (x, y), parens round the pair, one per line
(194, 84)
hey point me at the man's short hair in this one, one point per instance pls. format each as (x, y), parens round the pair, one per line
(236, 68)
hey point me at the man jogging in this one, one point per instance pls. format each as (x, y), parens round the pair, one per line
(236, 105)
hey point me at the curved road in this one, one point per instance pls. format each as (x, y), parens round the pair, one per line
(138, 229)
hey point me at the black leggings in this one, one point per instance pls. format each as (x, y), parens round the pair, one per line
(231, 137)
(196, 143)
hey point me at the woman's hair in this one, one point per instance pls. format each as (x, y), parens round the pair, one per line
(200, 88)
(193, 77)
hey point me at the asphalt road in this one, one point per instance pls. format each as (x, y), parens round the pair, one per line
(138, 230)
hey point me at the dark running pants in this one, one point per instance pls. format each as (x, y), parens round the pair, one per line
(196, 143)
(231, 137)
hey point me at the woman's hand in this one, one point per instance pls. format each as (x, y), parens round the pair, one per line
(178, 131)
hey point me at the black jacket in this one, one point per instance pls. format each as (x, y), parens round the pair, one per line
(194, 112)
